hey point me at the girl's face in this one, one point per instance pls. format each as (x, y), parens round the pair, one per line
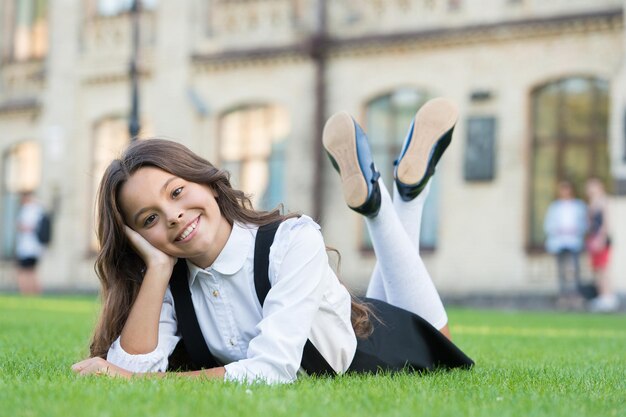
(178, 217)
(594, 189)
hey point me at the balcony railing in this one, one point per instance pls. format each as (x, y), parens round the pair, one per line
(106, 42)
(232, 24)
(252, 23)
(358, 17)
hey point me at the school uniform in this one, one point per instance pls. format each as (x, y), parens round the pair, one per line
(28, 248)
(259, 323)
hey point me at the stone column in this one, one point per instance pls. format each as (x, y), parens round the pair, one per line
(60, 146)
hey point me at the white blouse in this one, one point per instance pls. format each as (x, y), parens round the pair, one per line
(28, 245)
(306, 301)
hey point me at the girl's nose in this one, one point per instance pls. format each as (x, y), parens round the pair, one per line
(174, 220)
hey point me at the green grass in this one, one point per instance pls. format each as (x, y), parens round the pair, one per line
(528, 364)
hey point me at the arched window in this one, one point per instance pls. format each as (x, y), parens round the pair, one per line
(570, 122)
(387, 121)
(252, 149)
(21, 173)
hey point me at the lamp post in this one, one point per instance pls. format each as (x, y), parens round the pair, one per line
(133, 124)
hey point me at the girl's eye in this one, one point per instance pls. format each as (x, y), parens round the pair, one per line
(177, 192)
(149, 220)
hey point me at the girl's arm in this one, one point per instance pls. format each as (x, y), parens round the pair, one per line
(150, 333)
(99, 366)
(598, 240)
(140, 334)
(156, 360)
(604, 229)
(299, 272)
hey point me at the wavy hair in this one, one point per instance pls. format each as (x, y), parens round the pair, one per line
(120, 269)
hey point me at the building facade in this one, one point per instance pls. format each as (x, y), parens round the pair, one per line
(541, 87)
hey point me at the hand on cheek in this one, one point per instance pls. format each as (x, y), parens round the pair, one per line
(99, 366)
(152, 256)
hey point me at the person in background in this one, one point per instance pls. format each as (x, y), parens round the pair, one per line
(565, 225)
(28, 249)
(599, 247)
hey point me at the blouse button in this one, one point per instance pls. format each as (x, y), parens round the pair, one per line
(231, 341)
(216, 293)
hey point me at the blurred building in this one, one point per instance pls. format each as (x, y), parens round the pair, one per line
(248, 83)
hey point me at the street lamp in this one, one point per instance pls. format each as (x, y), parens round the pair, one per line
(133, 125)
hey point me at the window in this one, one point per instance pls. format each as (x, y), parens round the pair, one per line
(25, 29)
(110, 138)
(252, 149)
(387, 121)
(570, 122)
(21, 173)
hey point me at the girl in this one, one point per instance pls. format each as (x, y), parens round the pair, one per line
(599, 246)
(195, 280)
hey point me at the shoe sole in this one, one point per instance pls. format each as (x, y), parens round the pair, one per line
(432, 121)
(339, 139)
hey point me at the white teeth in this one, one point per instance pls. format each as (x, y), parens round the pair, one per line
(187, 231)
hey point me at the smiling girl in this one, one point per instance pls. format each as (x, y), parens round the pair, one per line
(195, 280)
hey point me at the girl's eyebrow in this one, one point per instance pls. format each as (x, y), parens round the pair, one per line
(163, 189)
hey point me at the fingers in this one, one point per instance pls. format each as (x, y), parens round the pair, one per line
(91, 366)
(133, 236)
(99, 366)
(140, 244)
(150, 254)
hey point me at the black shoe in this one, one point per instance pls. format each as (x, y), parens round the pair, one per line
(429, 135)
(347, 147)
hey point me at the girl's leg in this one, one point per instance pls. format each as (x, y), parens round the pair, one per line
(400, 270)
(400, 277)
(429, 135)
(376, 286)
(410, 215)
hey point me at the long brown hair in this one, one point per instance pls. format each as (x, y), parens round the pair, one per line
(120, 269)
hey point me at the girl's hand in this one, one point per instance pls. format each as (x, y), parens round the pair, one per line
(99, 366)
(153, 257)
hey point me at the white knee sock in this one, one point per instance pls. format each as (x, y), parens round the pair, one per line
(376, 286)
(410, 215)
(400, 276)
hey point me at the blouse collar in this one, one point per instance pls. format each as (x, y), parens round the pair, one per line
(232, 257)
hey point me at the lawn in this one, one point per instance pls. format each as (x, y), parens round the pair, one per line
(528, 364)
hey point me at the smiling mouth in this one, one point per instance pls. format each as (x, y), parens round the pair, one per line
(188, 230)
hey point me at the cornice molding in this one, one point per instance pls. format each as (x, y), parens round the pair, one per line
(245, 57)
(113, 77)
(607, 20)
